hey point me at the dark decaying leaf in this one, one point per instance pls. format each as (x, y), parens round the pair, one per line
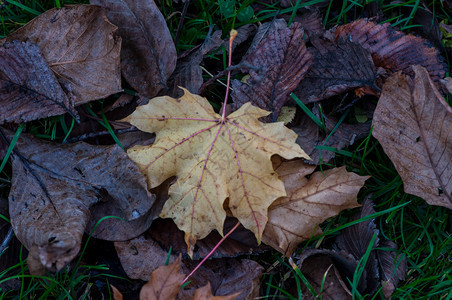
(141, 256)
(393, 267)
(311, 136)
(227, 276)
(394, 50)
(241, 241)
(148, 54)
(243, 34)
(54, 186)
(80, 46)
(356, 239)
(413, 123)
(352, 244)
(276, 67)
(310, 20)
(264, 30)
(28, 88)
(309, 202)
(188, 73)
(319, 267)
(337, 68)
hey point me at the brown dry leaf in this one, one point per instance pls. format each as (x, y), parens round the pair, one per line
(277, 66)
(355, 240)
(116, 293)
(241, 241)
(265, 30)
(80, 46)
(309, 202)
(214, 159)
(394, 50)
(188, 71)
(205, 293)
(413, 123)
(140, 256)
(28, 88)
(328, 273)
(148, 54)
(310, 20)
(243, 34)
(393, 267)
(337, 68)
(164, 284)
(54, 186)
(227, 276)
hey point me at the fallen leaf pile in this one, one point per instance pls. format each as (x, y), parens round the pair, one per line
(193, 172)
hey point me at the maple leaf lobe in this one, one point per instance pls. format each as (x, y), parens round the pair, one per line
(214, 159)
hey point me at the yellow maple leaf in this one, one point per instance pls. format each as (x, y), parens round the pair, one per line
(214, 159)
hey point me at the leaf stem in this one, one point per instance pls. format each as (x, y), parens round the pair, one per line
(211, 251)
(231, 39)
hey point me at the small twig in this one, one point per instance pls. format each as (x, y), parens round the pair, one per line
(7, 240)
(181, 22)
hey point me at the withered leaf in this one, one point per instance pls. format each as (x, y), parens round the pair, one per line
(116, 293)
(336, 68)
(310, 20)
(243, 34)
(214, 158)
(188, 73)
(393, 267)
(277, 66)
(148, 54)
(28, 88)
(54, 186)
(264, 30)
(394, 50)
(141, 256)
(227, 276)
(356, 239)
(328, 273)
(205, 293)
(164, 284)
(241, 241)
(309, 202)
(413, 123)
(80, 46)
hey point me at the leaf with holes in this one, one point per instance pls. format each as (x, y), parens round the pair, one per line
(215, 159)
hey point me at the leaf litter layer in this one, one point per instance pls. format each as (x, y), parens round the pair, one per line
(54, 186)
(215, 158)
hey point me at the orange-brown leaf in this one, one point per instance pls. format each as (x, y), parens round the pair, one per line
(164, 284)
(205, 293)
(214, 159)
(413, 123)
